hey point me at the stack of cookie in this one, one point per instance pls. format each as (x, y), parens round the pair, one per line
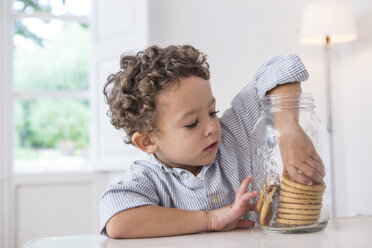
(299, 204)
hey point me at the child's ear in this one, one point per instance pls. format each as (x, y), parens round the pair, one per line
(144, 143)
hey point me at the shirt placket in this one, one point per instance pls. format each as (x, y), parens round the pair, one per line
(212, 186)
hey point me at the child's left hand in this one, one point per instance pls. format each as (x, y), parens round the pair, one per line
(228, 218)
(300, 158)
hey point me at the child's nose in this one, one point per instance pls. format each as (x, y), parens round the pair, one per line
(211, 127)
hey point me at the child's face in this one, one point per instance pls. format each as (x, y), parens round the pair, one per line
(188, 131)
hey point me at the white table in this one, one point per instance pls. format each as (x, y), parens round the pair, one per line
(348, 232)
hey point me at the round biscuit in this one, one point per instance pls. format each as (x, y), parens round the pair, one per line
(298, 216)
(265, 212)
(299, 206)
(299, 201)
(287, 180)
(260, 201)
(298, 211)
(298, 195)
(284, 186)
(295, 222)
(266, 209)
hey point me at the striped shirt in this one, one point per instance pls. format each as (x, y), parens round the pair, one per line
(149, 182)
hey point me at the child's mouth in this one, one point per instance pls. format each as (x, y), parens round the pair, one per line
(212, 147)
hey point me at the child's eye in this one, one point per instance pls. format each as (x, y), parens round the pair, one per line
(214, 113)
(192, 125)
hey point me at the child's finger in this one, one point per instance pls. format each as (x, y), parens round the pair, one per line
(310, 172)
(319, 161)
(314, 164)
(242, 200)
(243, 187)
(295, 175)
(250, 207)
(245, 224)
(317, 158)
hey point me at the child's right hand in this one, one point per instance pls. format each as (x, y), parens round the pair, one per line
(227, 218)
(300, 158)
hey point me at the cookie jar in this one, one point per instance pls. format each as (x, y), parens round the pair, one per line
(289, 127)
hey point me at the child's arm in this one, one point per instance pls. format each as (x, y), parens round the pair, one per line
(155, 221)
(298, 153)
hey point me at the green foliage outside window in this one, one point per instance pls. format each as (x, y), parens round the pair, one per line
(61, 64)
(44, 123)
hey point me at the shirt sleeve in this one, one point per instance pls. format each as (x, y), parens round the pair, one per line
(136, 189)
(239, 119)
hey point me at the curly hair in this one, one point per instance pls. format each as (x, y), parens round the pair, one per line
(131, 93)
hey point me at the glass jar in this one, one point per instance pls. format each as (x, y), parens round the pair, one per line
(284, 205)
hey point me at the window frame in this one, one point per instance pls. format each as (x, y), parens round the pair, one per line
(6, 116)
(86, 94)
(105, 50)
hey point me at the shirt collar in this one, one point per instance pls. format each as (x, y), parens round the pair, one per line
(176, 171)
(163, 166)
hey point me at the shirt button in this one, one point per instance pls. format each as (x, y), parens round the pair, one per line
(214, 200)
(184, 175)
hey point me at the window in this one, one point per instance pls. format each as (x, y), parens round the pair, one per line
(51, 86)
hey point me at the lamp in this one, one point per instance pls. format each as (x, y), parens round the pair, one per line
(325, 23)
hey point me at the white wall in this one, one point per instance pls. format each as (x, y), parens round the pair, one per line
(239, 35)
(55, 205)
(353, 114)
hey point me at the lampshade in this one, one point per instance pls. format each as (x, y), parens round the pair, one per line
(323, 19)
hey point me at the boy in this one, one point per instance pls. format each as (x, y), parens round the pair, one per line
(197, 175)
